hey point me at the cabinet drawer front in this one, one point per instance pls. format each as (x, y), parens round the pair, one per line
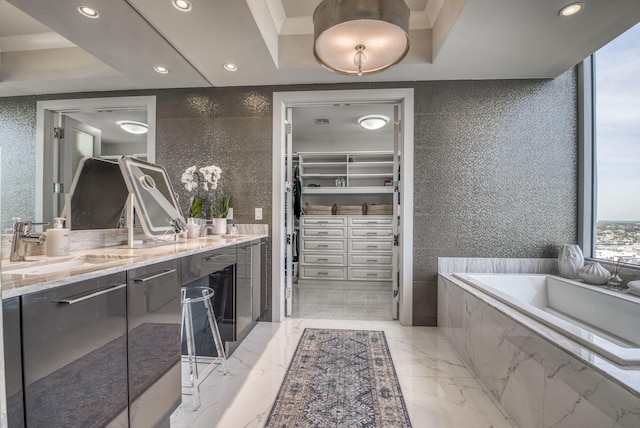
(371, 221)
(324, 259)
(322, 273)
(370, 260)
(369, 274)
(374, 233)
(315, 232)
(321, 245)
(324, 221)
(373, 246)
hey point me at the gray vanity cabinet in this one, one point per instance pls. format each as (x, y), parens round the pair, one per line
(13, 362)
(154, 343)
(75, 354)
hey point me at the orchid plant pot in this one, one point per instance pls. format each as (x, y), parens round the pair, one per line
(220, 226)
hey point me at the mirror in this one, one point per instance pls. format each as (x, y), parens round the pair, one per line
(68, 130)
(155, 201)
(97, 196)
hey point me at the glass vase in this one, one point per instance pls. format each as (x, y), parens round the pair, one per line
(615, 282)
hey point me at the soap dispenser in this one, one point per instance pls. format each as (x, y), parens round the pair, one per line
(58, 239)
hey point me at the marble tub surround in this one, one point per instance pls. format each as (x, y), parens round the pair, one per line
(110, 260)
(540, 377)
(496, 265)
(567, 306)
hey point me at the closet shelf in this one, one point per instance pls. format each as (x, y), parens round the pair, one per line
(347, 190)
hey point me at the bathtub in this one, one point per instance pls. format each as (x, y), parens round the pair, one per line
(604, 321)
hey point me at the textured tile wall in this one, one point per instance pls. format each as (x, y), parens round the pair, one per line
(495, 173)
(495, 162)
(18, 153)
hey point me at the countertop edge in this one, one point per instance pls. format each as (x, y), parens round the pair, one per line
(22, 285)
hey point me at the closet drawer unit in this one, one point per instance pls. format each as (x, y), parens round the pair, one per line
(370, 221)
(337, 245)
(337, 259)
(319, 272)
(370, 232)
(369, 274)
(364, 246)
(370, 259)
(319, 232)
(324, 221)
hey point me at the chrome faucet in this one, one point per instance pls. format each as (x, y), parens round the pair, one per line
(22, 235)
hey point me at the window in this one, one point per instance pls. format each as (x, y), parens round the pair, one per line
(616, 143)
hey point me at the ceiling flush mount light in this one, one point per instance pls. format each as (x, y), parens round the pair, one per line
(161, 69)
(373, 121)
(229, 66)
(571, 9)
(182, 5)
(133, 127)
(87, 11)
(362, 37)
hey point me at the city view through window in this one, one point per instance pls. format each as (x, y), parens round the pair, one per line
(617, 119)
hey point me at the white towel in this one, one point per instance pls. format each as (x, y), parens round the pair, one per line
(634, 285)
(633, 291)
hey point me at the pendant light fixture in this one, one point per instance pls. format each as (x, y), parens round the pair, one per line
(360, 37)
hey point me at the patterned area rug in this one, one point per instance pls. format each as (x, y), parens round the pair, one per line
(340, 378)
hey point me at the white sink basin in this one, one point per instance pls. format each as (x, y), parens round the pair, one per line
(43, 267)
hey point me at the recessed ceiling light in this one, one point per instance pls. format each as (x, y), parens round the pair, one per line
(161, 69)
(571, 9)
(229, 66)
(182, 5)
(87, 11)
(133, 127)
(373, 121)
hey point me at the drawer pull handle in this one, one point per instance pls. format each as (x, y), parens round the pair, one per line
(372, 233)
(154, 276)
(372, 274)
(323, 260)
(323, 233)
(372, 246)
(372, 222)
(323, 246)
(372, 260)
(323, 273)
(323, 222)
(211, 258)
(77, 299)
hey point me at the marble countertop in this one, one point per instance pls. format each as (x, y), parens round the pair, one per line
(88, 264)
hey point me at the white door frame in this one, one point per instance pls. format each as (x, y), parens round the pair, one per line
(282, 100)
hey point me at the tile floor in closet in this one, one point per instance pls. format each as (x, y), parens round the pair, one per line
(439, 390)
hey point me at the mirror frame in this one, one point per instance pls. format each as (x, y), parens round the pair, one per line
(45, 111)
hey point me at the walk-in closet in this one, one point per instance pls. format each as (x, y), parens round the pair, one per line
(344, 165)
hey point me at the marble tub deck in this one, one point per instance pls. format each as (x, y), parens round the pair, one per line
(439, 390)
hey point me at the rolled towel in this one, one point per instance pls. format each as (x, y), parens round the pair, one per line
(633, 291)
(634, 285)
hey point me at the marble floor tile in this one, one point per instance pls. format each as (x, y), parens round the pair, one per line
(444, 402)
(439, 390)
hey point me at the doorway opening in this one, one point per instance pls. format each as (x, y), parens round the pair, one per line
(342, 243)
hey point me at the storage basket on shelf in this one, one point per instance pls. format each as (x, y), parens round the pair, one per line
(379, 209)
(319, 209)
(349, 210)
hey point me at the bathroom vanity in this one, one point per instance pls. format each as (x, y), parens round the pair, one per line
(93, 339)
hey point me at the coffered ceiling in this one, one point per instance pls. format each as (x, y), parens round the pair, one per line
(47, 47)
